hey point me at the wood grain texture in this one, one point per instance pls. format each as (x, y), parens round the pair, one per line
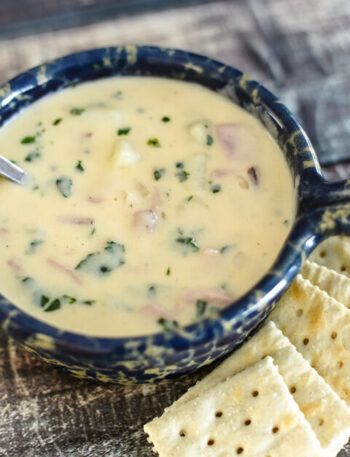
(300, 49)
(45, 412)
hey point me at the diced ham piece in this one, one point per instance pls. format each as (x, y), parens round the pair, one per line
(236, 140)
(64, 269)
(76, 220)
(156, 310)
(145, 221)
(156, 199)
(226, 134)
(214, 296)
(222, 173)
(14, 265)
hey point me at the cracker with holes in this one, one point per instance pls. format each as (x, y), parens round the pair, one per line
(328, 416)
(334, 253)
(336, 285)
(319, 327)
(250, 414)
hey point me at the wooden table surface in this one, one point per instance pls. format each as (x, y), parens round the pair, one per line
(299, 49)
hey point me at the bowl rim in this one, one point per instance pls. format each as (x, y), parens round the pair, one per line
(270, 286)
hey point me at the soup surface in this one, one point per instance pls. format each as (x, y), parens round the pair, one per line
(152, 203)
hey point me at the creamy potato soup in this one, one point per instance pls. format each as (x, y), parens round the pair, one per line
(151, 204)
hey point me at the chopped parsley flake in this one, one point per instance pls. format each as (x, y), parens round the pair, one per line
(286, 222)
(168, 325)
(33, 245)
(189, 198)
(188, 241)
(32, 156)
(103, 262)
(77, 111)
(88, 302)
(179, 165)
(168, 271)
(44, 300)
(158, 173)
(79, 166)
(64, 185)
(201, 306)
(27, 279)
(28, 140)
(153, 142)
(124, 131)
(57, 121)
(165, 119)
(225, 248)
(210, 140)
(69, 299)
(53, 306)
(182, 175)
(152, 291)
(216, 188)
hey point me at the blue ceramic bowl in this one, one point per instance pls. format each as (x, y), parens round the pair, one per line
(321, 212)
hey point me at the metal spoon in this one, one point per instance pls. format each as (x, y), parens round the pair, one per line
(12, 171)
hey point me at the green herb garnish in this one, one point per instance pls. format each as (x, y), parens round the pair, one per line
(201, 306)
(179, 164)
(79, 166)
(210, 140)
(189, 198)
(158, 173)
(168, 325)
(88, 302)
(69, 299)
(77, 111)
(103, 262)
(182, 175)
(189, 242)
(153, 142)
(64, 185)
(32, 156)
(225, 249)
(27, 279)
(124, 131)
(33, 245)
(216, 188)
(44, 300)
(152, 291)
(28, 140)
(165, 119)
(53, 306)
(168, 271)
(57, 121)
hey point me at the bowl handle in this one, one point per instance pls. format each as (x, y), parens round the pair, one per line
(328, 205)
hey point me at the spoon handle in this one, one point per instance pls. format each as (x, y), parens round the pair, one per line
(11, 171)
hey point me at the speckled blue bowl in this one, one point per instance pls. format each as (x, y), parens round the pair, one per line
(164, 355)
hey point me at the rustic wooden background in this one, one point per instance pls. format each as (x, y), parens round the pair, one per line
(299, 49)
